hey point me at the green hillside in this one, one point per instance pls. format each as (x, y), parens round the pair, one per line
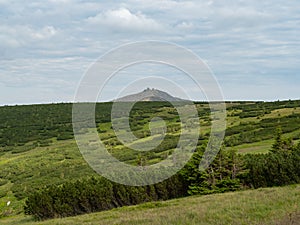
(268, 206)
(37, 147)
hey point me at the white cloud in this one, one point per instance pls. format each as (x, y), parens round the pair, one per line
(45, 33)
(125, 20)
(238, 38)
(60, 1)
(20, 35)
(185, 25)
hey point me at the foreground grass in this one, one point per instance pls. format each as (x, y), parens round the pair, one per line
(269, 206)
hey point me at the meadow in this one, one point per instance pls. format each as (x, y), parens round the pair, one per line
(266, 206)
(37, 147)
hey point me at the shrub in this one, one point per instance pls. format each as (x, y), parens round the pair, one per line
(96, 194)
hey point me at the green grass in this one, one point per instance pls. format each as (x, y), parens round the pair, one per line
(282, 112)
(261, 146)
(254, 148)
(256, 207)
(30, 170)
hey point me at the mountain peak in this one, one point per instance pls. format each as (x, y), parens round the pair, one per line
(149, 94)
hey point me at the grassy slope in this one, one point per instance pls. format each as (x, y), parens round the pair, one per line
(233, 120)
(262, 206)
(254, 148)
(265, 145)
(61, 160)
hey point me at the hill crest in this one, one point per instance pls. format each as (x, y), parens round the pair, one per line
(149, 94)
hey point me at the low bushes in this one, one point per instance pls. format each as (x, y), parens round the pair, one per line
(97, 194)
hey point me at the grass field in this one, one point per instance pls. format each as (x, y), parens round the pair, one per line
(254, 148)
(269, 206)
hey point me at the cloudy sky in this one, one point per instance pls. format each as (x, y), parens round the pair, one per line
(253, 47)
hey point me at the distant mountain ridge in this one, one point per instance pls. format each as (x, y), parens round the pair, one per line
(150, 94)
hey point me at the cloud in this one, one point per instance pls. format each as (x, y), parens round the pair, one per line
(45, 33)
(124, 20)
(60, 1)
(185, 25)
(18, 35)
(52, 42)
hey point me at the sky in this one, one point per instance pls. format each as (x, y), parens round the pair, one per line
(46, 47)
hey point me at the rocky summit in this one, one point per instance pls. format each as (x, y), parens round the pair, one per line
(150, 94)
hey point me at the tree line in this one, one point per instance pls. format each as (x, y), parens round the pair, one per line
(97, 194)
